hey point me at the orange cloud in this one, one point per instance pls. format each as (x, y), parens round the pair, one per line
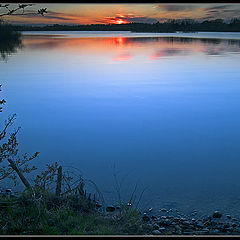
(115, 20)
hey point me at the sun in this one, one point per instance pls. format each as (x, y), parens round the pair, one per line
(120, 21)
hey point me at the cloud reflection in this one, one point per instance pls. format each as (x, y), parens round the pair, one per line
(122, 57)
(123, 48)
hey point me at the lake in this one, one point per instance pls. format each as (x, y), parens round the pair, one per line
(160, 111)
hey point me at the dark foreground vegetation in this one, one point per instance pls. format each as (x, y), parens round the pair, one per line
(40, 212)
(186, 25)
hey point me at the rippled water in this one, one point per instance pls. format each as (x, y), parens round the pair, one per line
(160, 111)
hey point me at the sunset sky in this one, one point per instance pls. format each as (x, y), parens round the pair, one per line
(122, 13)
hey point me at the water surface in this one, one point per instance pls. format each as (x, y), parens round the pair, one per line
(161, 111)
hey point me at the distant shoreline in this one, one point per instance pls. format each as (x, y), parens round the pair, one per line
(171, 26)
(125, 34)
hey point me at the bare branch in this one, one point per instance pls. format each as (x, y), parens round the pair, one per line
(8, 123)
(41, 11)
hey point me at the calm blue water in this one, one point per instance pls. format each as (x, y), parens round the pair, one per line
(161, 112)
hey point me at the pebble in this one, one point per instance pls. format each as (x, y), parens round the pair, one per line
(163, 210)
(145, 218)
(186, 223)
(154, 218)
(217, 214)
(156, 232)
(200, 225)
(155, 227)
(235, 219)
(215, 231)
(110, 209)
(228, 216)
(98, 205)
(162, 229)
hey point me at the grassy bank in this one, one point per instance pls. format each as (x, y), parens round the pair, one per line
(40, 212)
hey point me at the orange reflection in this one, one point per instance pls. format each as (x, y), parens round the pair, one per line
(122, 57)
(116, 47)
(156, 55)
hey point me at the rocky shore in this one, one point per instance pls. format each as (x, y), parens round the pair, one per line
(172, 222)
(74, 215)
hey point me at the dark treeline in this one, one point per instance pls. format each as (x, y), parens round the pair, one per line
(186, 25)
(10, 40)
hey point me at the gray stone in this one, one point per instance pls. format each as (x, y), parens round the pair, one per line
(237, 229)
(217, 214)
(98, 205)
(163, 210)
(177, 227)
(215, 231)
(186, 223)
(234, 225)
(235, 219)
(155, 227)
(154, 218)
(202, 232)
(188, 231)
(167, 222)
(145, 218)
(228, 216)
(226, 225)
(205, 229)
(200, 225)
(162, 229)
(110, 208)
(156, 232)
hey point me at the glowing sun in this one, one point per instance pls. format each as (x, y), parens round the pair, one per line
(120, 21)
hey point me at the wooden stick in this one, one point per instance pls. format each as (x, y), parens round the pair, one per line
(59, 181)
(15, 168)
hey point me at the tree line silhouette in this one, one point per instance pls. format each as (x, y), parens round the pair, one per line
(185, 25)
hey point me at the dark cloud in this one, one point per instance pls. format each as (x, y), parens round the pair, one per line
(57, 17)
(174, 8)
(141, 20)
(218, 7)
(235, 11)
(49, 15)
